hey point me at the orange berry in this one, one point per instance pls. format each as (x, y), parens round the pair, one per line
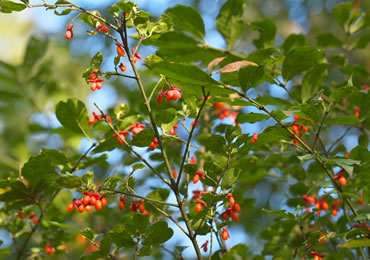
(234, 216)
(198, 207)
(70, 207)
(81, 208)
(98, 205)
(324, 205)
(232, 201)
(88, 208)
(196, 179)
(142, 208)
(342, 180)
(334, 212)
(120, 51)
(86, 200)
(121, 205)
(92, 200)
(236, 207)
(104, 201)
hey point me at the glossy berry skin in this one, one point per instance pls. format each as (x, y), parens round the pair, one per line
(142, 208)
(81, 208)
(69, 32)
(225, 234)
(92, 200)
(98, 205)
(198, 207)
(103, 201)
(342, 180)
(88, 208)
(324, 205)
(70, 207)
(122, 67)
(120, 50)
(86, 200)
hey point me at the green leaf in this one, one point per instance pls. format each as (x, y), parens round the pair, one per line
(300, 59)
(141, 222)
(280, 213)
(229, 21)
(64, 12)
(273, 101)
(36, 49)
(90, 20)
(146, 250)
(39, 172)
(267, 29)
(343, 120)
(350, 195)
(214, 143)
(188, 19)
(294, 40)
(342, 13)
(346, 164)
(144, 138)
(88, 233)
(158, 234)
(166, 119)
(72, 114)
(251, 118)
(9, 6)
(55, 156)
(126, 6)
(312, 79)
(328, 40)
(63, 226)
(239, 249)
(97, 60)
(69, 181)
(362, 242)
(251, 76)
(230, 178)
(159, 194)
(5, 251)
(88, 178)
(105, 245)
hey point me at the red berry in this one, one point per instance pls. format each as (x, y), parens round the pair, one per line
(120, 50)
(99, 85)
(196, 179)
(122, 67)
(324, 205)
(225, 234)
(70, 207)
(81, 208)
(234, 216)
(92, 200)
(218, 105)
(198, 207)
(225, 216)
(86, 200)
(232, 201)
(69, 34)
(49, 249)
(142, 208)
(93, 86)
(236, 207)
(121, 205)
(334, 212)
(104, 201)
(98, 205)
(88, 208)
(342, 181)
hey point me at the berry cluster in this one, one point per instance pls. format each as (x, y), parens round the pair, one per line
(198, 175)
(173, 93)
(317, 255)
(89, 201)
(224, 112)
(49, 249)
(231, 212)
(153, 144)
(96, 82)
(296, 128)
(33, 217)
(321, 204)
(121, 137)
(97, 117)
(139, 206)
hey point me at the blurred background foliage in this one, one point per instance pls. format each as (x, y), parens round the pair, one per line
(38, 68)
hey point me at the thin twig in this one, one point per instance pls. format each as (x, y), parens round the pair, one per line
(320, 127)
(189, 138)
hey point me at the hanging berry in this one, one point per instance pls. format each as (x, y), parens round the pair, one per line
(69, 32)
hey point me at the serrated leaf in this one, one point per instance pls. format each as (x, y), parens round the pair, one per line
(214, 63)
(230, 178)
(72, 114)
(188, 19)
(300, 59)
(251, 118)
(229, 21)
(236, 66)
